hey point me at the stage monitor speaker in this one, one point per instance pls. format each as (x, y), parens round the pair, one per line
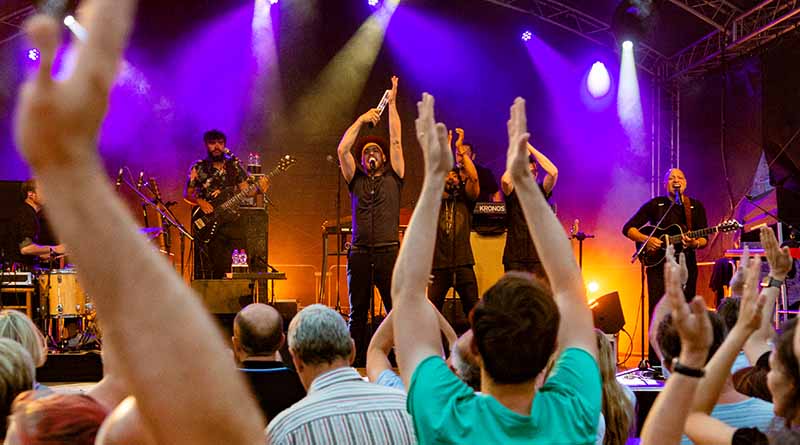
(224, 296)
(607, 313)
(256, 226)
(287, 309)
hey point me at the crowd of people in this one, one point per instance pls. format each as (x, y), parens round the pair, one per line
(531, 368)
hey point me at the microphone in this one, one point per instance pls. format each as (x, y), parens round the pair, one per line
(382, 105)
(119, 178)
(677, 190)
(140, 181)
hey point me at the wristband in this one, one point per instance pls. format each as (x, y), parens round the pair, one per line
(678, 368)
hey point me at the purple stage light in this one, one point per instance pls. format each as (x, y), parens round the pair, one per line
(627, 45)
(34, 54)
(599, 82)
(273, 2)
(373, 3)
(526, 36)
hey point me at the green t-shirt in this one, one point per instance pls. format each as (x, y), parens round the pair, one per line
(565, 409)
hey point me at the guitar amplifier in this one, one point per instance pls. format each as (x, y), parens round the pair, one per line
(256, 225)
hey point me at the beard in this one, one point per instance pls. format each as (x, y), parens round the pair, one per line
(216, 158)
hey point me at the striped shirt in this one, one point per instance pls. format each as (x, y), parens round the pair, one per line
(341, 408)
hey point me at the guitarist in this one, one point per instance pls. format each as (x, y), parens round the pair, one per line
(211, 180)
(688, 213)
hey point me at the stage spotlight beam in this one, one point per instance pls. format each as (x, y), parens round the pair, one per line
(598, 82)
(629, 103)
(76, 28)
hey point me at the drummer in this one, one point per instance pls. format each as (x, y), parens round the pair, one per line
(32, 233)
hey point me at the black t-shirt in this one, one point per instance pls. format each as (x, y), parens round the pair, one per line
(652, 211)
(30, 227)
(275, 386)
(519, 245)
(453, 248)
(487, 183)
(375, 207)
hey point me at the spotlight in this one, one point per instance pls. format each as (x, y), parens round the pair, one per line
(592, 287)
(34, 54)
(76, 28)
(69, 20)
(527, 35)
(599, 82)
(373, 3)
(273, 2)
(627, 45)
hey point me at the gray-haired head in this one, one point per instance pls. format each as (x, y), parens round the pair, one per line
(318, 334)
(463, 362)
(16, 375)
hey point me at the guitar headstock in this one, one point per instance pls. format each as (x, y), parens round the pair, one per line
(285, 162)
(730, 225)
(154, 188)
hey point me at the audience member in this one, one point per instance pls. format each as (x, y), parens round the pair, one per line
(379, 367)
(516, 326)
(56, 419)
(16, 376)
(125, 426)
(257, 338)
(464, 363)
(187, 389)
(340, 406)
(112, 388)
(17, 326)
(618, 401)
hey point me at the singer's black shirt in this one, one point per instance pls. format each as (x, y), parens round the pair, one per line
(209, 181)
(375, 206)
(519, 245)
(453, 248)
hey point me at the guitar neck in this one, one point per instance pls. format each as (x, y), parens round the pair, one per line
(694, 234)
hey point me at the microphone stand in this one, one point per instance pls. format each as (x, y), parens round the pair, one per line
(580, 236)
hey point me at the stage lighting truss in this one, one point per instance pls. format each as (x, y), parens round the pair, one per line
(11, 23)
(748, 32)
(584, 25)
(717, 13)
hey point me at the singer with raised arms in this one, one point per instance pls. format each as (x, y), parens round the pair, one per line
(673, 209)
(374, 184)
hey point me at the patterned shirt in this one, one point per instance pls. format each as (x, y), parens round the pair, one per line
(341, 408)
(209, 181)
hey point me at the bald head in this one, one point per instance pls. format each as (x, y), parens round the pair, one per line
(125, 426)
(258, 329)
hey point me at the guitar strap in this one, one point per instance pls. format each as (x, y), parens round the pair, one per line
(687, 210)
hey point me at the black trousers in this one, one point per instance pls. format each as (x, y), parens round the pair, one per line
(213, 260)
(462, 279)
(655, 291)
(368, 268)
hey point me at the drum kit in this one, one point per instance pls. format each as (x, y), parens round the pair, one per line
(70, 321)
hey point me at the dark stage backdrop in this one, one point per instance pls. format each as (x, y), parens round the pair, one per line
(194, 65)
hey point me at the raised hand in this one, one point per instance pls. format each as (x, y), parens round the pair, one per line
(370, 117)
(57, 122)
(738, 279)
(691, 319)
(684, 271)
(432, 138)
(517, 163)
(752, 304)
(779, 259)
(460, 139)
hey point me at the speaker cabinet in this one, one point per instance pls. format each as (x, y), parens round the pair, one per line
(256, 226)
(607, 313)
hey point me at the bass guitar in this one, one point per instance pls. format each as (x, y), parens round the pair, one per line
(673, 235)
(226, 205)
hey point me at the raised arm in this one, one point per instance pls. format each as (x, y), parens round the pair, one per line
(550, 169)
(576, 328)
(395, 133)
(416, 330)
(346, 161)
(780, 263)
(700, 427)
(665, 422)
(663, 306)
(129, 280)
(472, 184)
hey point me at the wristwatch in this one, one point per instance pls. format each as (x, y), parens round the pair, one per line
(678, 368)
(769, 281)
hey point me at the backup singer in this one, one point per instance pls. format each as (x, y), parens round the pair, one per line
(211, 181)
(375, 187)
(520, 252)
(452, 256)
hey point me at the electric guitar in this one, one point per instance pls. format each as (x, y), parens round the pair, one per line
(673, 235)
(226, 205)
